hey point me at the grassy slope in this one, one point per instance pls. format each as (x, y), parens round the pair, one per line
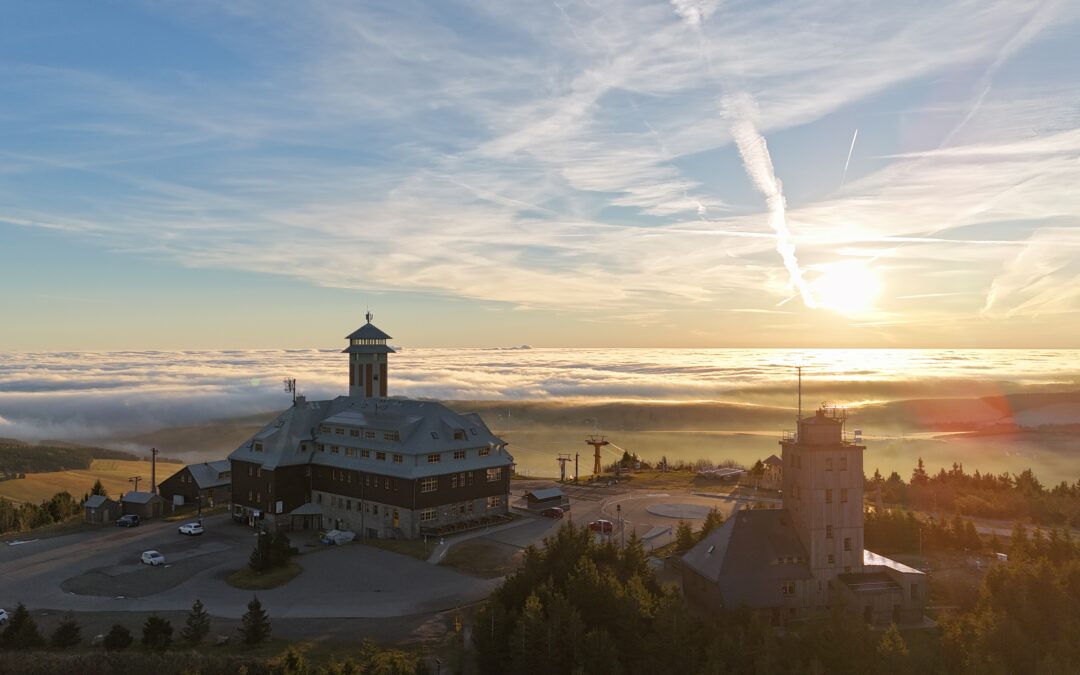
(113, 473)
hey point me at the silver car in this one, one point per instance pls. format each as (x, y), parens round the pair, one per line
(152, 558)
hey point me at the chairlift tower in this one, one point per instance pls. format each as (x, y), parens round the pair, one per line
(597, 442)
(562, 460)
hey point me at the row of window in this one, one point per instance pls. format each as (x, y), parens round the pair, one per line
(431, 483)
(797, 461)
(829, 495)
(369, 434)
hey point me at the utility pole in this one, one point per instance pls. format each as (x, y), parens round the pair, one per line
(135, 479)
(563, 459)
(577, 456)
(622, 532)
(153, 470)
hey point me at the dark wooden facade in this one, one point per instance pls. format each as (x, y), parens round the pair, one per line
(183, 483)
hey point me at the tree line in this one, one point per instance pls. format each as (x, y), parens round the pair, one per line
(1003, 496)
(23, 459)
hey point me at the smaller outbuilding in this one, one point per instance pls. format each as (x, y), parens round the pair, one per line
(100, 510)
(545, 498)
(145, 505)
(210, 482)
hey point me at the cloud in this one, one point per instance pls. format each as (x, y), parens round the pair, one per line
(95, 397)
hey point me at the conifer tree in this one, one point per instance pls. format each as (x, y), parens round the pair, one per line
(117, 639)
(99, 489)
(255, 624)
(684, 536)
(21, 632)
(197, 625)
(67, 634)
(157, 633)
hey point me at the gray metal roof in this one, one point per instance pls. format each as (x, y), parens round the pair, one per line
(750, 556)
(545, 493)
(210, 474)
(367, 332)
(773, 460)
(95, 501)
(420, 427)
(139, 497)
(873, 559)
(308, 509)
(368, 349)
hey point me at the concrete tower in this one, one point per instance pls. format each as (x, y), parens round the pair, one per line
(823, 493)
(367, 352)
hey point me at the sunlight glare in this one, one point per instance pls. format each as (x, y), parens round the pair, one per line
(849, 287)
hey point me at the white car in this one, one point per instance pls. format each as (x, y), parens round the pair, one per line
(3, 617)
(152, 558)
(191, 528)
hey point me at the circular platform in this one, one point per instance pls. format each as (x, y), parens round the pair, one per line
(680, 511)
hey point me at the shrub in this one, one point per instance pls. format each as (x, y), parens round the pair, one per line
(157, 633)
(21, 631)
(67, 634)
(118, 638)
(197, 625)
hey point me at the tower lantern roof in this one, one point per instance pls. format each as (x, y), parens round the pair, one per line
(368, 339)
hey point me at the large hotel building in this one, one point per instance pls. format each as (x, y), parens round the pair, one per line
(379, 466)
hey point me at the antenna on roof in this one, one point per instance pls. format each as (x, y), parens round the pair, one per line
(290, 386)
(369, 316)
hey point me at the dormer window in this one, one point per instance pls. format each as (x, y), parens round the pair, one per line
(435, 435)
(258, 447)
(459, 434)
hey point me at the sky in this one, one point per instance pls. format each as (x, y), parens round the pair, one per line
(693, 173)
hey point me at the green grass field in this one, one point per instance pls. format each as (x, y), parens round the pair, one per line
(113, 473)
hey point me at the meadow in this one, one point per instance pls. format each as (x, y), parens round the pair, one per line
(114, 474)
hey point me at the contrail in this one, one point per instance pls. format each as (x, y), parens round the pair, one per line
(755, 155)
(848, 160)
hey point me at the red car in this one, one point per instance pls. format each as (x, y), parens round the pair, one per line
(552, 512)
(601, 526)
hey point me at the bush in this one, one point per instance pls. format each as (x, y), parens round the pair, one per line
(157, 633)
(67, 634)
(117, 639)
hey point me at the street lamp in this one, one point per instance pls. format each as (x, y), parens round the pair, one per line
(622, 538)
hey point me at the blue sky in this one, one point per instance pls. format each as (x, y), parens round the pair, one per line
(258, 174)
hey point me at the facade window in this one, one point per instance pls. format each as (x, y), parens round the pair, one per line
(788, 588)
(468, 507)
(348, 505)
(258, 447)
(258, 497)
(427, 515)
(828, 531)
(334, 449)
(324, 428)
(434, 458)
(494, 474)
(398, 459)
(843, 495)
(828, 495)
(391, 436)
(828, 463)
(367, 480)
(368, 433)
(484, 452)
(365, 454)
(843, 463)
(494, 501)
(258, 472)
(303, 447)
(847, 543)
(354, 433)
(429, 484)
(320, 447)
(381, 456)
(832, 559)
(350, 452)
(339, 431)
(468, 478)
(386, 483)
(251, 495)
(459, 454)
(318, 498)
(453, 481)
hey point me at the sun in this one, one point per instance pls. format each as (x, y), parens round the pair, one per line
(848, 287)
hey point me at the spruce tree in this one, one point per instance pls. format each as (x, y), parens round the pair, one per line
(684, 537)
(197, 626)
(255, 624)
(118, 638)
(21, 631)
(261, 559)
(99, 489)
(157, 633)
(67, 634)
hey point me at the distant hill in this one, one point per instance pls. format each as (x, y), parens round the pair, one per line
(18, 457)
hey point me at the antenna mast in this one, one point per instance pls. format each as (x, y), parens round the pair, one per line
(290, 386)
(799, 418)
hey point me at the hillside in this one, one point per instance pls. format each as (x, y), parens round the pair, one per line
(114, 474)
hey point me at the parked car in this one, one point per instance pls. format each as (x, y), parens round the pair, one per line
(191, 528)
(552, 512)
(601, 526)
(3, 617)
(152, 558)
(128, 521)
(337, 537)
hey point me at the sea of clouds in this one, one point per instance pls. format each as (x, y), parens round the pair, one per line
(84, 396)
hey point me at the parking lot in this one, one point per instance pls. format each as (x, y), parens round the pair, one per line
(99, 571)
